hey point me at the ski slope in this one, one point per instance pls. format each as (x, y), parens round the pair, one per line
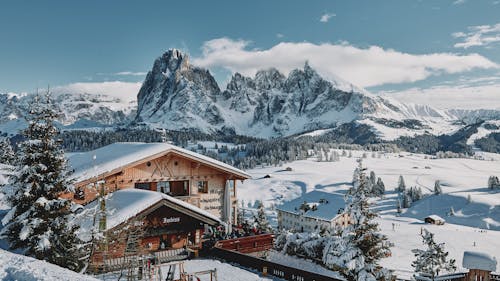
(475, 225)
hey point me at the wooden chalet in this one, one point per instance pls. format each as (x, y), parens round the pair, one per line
(163, 195)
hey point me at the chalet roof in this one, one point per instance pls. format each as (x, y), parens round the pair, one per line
(436, 218)
(118, 155)
(477, 260)
(122, 205)
(328, 205)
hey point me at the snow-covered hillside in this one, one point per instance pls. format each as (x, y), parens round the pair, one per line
(475, 225)
(17, 267)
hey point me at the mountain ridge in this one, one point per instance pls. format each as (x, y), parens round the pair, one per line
(177, 95)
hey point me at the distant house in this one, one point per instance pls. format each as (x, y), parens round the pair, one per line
(480, 266)
(434, 219)
(313, 211)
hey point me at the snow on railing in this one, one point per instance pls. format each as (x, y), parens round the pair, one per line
(447, 277)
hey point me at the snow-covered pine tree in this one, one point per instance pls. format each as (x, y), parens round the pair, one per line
(451, 212)
(381, 187)
(373, 178)
(432, 260)
(407, 200)
(40, 223)
(241, 214)
(358, 250)
(493, 182)
(437, 187)
(261, 222)
(401, 184)
(7, 155)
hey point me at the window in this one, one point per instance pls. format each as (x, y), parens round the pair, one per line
(163, 187)
(143, 185)
(173, 188)
(202, 186)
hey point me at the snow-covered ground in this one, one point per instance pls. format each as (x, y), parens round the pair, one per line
(18, 267)
(475, 226)
(224, 271)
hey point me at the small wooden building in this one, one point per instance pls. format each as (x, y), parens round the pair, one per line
(434, 219)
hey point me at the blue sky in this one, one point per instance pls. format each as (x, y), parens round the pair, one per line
(403, 47)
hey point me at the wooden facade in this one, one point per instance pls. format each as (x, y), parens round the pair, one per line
(196, 182)
(163, 226)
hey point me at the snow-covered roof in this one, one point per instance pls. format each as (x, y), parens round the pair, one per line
(120, 154)
(328, 205)
(477, 260)
(436, 218)
(125, 204)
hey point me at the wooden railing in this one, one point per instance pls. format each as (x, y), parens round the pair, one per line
(248, 244)
(160, 256)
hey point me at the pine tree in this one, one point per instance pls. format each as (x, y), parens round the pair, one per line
(452, 211)
(432, 260)
(358, 250)
(39, 222)
(493, 182)
(407, 200)
(241, 214)
(261, 222)
(401, 184)
(373, 178)
(381, 187)
(437, 187)
(7, 155)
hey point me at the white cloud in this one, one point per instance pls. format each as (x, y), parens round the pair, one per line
(326, 17)
(459, 2)
(126, 91)
(363, 67)
(124, 73)
(280, 35)
(462, 94)
(479, 35)
(130, 73)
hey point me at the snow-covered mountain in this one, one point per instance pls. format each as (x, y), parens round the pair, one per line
(178, 95)
(78, 110)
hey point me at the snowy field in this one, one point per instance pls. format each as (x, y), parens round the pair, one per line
(475, 226)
